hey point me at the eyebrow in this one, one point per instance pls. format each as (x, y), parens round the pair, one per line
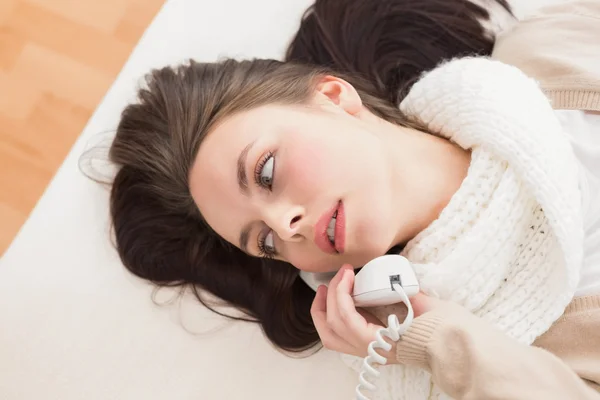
(244, 236)
(242, 178)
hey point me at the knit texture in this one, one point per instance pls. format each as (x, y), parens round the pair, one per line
(509, 245)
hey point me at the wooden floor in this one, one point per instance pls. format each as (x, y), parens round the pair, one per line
(57, 59)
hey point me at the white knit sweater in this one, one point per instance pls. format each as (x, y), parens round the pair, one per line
(509, 244)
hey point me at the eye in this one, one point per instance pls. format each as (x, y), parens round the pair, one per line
(266, 246)
(265, 170)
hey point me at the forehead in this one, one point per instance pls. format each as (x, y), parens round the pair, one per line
(229, 137)
(213, 183)
(235, 131)
(213, 177)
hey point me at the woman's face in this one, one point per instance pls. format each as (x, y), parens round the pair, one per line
(308, 184)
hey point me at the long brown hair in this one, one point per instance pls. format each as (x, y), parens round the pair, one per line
(160, 233)
(392, 42)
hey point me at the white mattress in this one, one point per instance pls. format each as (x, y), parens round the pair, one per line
(75, 325)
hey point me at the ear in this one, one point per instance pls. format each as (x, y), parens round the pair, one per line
(339, 92)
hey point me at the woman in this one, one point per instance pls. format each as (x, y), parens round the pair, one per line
(233, 176)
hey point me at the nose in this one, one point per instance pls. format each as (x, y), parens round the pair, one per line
(287, 223)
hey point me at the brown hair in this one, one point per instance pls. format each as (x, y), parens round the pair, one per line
(391, 43)
(160, 234)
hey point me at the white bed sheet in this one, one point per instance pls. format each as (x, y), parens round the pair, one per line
(75, 325)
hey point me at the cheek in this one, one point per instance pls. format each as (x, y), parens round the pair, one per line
(306, 166)
(314, 164)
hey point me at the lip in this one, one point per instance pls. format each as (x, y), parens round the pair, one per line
(321, 239)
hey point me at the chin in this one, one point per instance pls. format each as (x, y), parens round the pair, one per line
(372, 239)
(365, 256)
(375, 248)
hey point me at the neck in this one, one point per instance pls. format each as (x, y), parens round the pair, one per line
(426, 172)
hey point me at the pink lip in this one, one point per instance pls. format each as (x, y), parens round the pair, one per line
(340, 229)
(321, 239)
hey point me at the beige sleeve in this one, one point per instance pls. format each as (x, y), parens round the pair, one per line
(470, 359)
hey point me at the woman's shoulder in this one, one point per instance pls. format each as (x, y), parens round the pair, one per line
(582, 312)
(575, 338)
(558, 47)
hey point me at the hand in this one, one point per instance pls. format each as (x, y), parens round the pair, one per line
(341, 326)
(344, 328)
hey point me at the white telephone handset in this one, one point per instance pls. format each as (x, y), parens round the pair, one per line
(385, 280)
(373, 285)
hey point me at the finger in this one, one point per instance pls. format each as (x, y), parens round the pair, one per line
(332, 314)
(328, 337)
(357, 329)
(319, 304)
